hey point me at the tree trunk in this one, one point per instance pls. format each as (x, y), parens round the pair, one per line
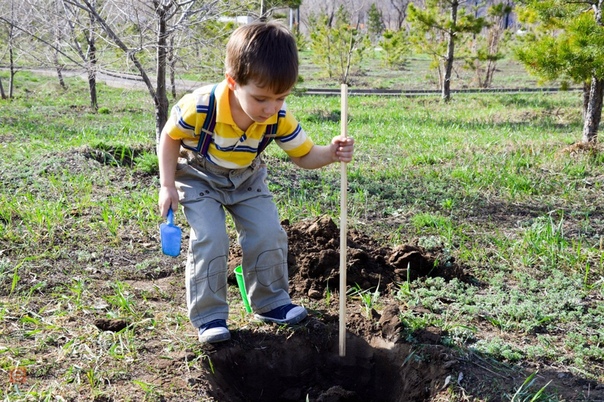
(488, 79)
(586, 87)
(58, 40)
(161, 98)
(12, 71)
(59, 70)
(262, 11)
(446, 91)
(593, 114)
(2, 94)
(92, 64)
(94, 104)
(401, 12)
(11, 59)
(171, 60)
(494, 37)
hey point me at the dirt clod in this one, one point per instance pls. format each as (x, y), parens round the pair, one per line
(105, 324)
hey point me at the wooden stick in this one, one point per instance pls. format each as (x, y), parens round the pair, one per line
(343, 224)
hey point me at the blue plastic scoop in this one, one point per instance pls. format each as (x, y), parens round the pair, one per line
(170, 236)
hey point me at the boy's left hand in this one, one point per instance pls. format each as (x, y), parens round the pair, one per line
(343, 148)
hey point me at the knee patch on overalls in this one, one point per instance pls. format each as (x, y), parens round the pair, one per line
(216, 275)
(271, 267)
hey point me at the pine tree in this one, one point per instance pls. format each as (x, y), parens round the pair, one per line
(375, 23)
(437, 28)
(564, 40)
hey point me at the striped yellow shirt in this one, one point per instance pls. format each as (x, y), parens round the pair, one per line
(230, 147)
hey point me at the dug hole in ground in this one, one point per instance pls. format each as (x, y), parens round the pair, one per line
(304, 363)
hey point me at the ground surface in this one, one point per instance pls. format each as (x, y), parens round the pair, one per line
(152, 354)
(379, 365)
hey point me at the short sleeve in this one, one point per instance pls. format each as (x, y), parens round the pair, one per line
(291, 137)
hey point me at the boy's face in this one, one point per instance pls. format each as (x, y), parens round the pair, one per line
(258, 103)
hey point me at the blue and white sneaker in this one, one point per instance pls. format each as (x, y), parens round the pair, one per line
(289, 314)
(214, 331)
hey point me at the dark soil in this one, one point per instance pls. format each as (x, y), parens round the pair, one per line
(375, 362)
(374, 365)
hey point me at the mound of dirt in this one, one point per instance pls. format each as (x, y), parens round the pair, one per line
(314, 260)
(377, 365)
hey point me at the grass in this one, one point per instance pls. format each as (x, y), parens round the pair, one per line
(487, 177)
(369, 297)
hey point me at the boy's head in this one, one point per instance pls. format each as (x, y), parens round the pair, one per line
(264, 53)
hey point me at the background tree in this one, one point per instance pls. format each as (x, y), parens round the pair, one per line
(446, 23)
(52, 39)
(337, 44)
(12, 12)
(564, 40)
(395, 48)
(145, 35)
(82, 26)
(375, 23)
(321, 42)
(58, 27)
(487, 48)
(36, 34)
(397, 14)
(264, 9)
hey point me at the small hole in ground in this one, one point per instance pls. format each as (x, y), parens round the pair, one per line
(306, 364)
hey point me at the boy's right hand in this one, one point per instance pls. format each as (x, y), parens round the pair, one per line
(168, 197)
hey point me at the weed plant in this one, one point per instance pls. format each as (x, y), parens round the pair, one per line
(492, 179)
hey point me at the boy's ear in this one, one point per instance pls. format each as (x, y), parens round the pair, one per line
(230, 82)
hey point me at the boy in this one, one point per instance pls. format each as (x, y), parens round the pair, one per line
(212, 169)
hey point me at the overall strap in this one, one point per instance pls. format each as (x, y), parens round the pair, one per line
(207, 128)
(205, 137)
(269, 133)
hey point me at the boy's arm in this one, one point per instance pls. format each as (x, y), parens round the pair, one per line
(167, 154)
(341, 149)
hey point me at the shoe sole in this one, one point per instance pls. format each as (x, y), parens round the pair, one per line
(291, 321)
(215, 338)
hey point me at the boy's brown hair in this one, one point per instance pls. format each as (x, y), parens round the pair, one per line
(264, 53)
